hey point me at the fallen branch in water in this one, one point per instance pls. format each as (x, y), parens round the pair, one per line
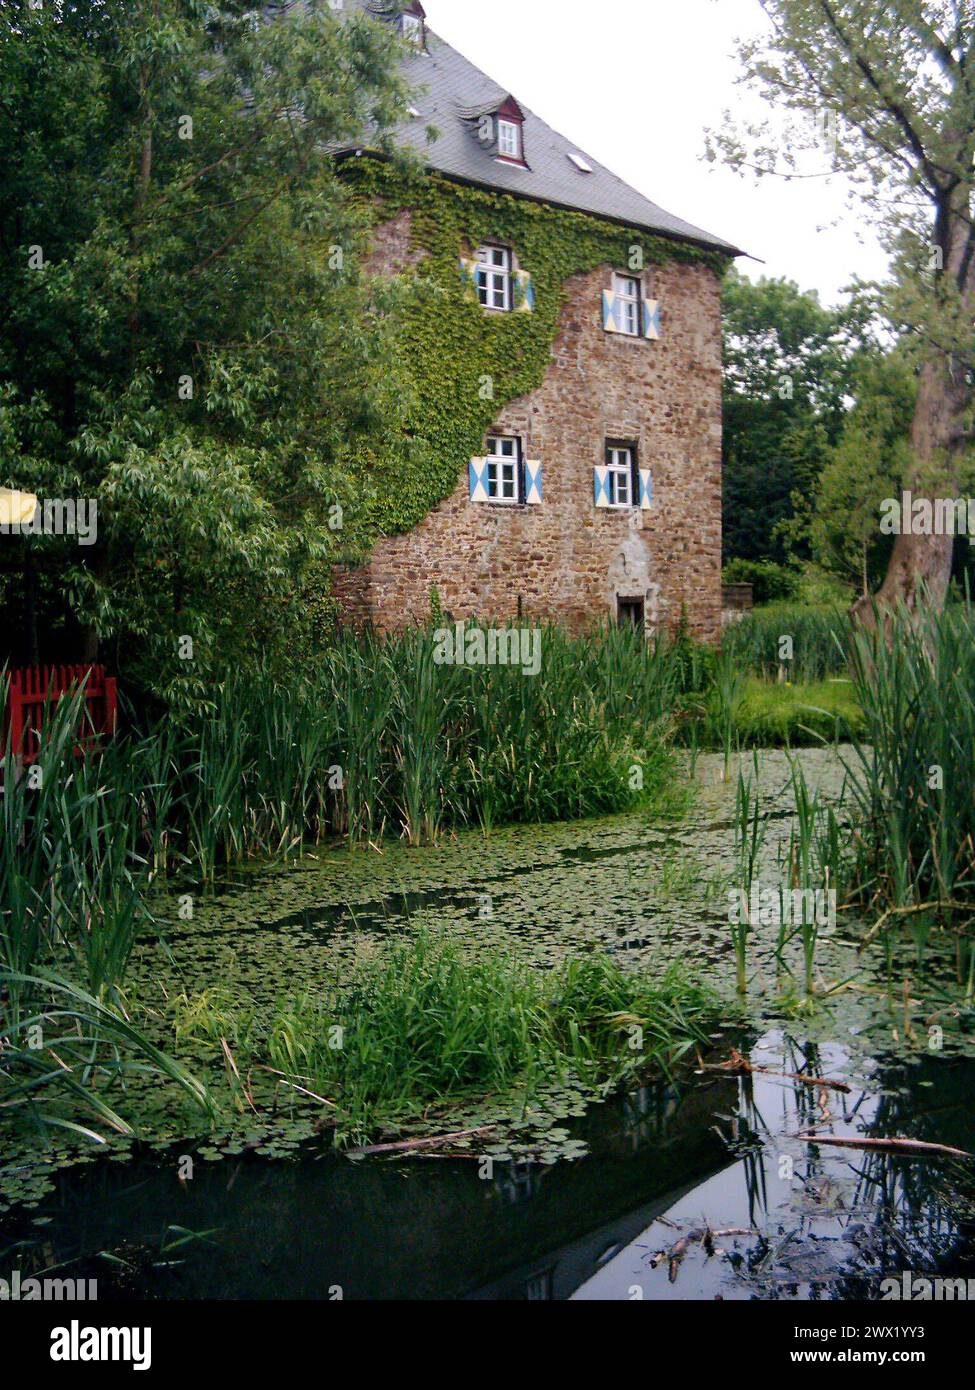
(878, 926)
(701, 1234)
(905, 1146)
(406, 1144)
(742, 1066)
(284, 1081)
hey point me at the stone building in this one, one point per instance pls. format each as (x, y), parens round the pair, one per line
(598, 494)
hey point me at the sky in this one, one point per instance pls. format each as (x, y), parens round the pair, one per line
(636, 83)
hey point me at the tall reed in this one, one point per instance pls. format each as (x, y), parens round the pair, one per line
(751, 827)
(815, 649)
(913, 792)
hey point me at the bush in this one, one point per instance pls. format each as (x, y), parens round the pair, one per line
(770, 582)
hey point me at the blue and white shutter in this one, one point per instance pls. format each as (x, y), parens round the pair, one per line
(646, 489)
(611, 320)
(600, 479)
(651, 319)
(524, 292)
(533, 483)
(478, 475)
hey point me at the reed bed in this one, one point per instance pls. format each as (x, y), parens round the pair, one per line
(374, 739)
(911, 781)
(818, 640)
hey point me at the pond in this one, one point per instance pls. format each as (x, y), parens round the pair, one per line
(692, 1186)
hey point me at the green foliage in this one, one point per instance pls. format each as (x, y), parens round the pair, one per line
(787, 374)
(64, 1053)
(912, 778)
(68, 864)
(775, 713)
(893, 82)
(758, 645)
(187, 338)
(373, 738)
(770, 582)
(869, 463)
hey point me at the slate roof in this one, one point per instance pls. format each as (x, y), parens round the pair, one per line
(452, 92)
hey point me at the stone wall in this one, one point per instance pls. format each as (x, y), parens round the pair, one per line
(567, 560)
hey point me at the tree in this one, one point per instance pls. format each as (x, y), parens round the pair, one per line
(892, 84)
(187, 338)
(788, 372)
(867, 465)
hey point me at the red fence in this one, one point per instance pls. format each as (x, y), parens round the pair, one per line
(32, 689)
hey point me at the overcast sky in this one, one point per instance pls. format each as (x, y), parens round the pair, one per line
(636, 83)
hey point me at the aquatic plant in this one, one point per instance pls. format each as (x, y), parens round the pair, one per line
(65, 1055)
(723, 707)
(912, 797)
(816, 647)
(750, 830)
(812, 871)
(68, 871)
(423, 1023)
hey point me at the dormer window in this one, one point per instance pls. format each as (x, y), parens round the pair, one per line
(509, 133)
(509, 139)
(412, 24)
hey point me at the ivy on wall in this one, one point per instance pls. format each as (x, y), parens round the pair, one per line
(467, 365)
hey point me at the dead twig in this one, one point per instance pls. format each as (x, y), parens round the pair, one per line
(742, 1066)
(905, 1146)
(406, 1144)
(702, 1235)
(878, 926)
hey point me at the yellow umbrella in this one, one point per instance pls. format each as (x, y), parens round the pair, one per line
(16, 507)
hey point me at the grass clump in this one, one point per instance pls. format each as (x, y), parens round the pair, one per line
(781, 714)
(421, 1026)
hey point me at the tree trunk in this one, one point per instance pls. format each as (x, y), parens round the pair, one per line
(921, 565)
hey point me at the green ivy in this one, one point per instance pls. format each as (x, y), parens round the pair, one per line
(451, 346)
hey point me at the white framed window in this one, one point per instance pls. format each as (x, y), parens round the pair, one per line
(412, 26)
(629, 301)
(494, 277)
(509, 139)
(503, 473)
(620, 471)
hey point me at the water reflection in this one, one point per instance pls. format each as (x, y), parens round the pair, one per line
(707, 1165)
(821, 1222)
